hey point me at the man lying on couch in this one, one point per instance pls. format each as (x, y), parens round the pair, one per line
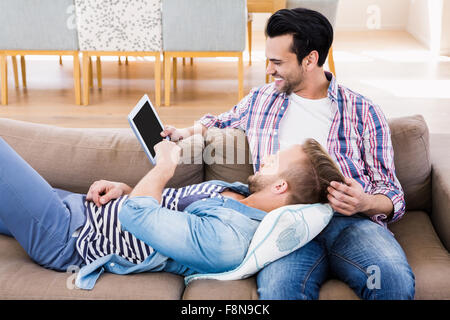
(203, 228)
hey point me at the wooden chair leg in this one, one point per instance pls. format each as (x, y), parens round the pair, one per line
(192, 61)
(120, 61)
(331, 61)
(23, 68)
(158, 80)
(167, 70)
(60, 60)
(99, 72)
(126, 60)
(4, 79)
(85, 79)
(184, 61)
(16, 73)
(91, 73)
(240, 77)
(175, 71)
(76, 78)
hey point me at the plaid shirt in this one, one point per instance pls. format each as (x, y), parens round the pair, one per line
(359, 138)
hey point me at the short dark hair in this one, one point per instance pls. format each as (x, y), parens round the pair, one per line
(310, 179)
(310, 30)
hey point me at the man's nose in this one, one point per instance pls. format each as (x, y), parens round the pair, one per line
(270, 70)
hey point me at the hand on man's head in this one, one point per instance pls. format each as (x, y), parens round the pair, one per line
(348, 198)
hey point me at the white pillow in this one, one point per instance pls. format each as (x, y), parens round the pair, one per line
(282, 231)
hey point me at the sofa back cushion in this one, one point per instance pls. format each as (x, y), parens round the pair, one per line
(410, 139)
(226, 155)
(72, 159)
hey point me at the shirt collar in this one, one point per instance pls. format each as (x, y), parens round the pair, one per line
(252, 213)
(333, 87)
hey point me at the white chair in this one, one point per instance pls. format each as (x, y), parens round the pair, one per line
(203, 28)
(37, 28)
(120, 28)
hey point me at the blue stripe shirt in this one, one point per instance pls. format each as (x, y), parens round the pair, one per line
(105, 246)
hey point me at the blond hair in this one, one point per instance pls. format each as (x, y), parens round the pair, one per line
(309, 180)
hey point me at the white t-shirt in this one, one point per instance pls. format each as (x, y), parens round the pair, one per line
(305, 118)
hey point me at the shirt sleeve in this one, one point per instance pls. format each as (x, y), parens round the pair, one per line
(379, 160)
(235, 118)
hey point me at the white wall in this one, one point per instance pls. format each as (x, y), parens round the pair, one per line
(427, 20)
(372, 14)
(357, 14)
(429, 23)
(445, 40)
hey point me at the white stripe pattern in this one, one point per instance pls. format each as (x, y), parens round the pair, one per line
(102, 233)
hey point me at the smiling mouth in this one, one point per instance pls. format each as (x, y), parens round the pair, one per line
(278, 80)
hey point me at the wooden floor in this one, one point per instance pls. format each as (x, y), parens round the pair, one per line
(390, 67)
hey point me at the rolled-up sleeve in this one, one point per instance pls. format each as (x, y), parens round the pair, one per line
(235, 118)
(134, 216)
(379, 160)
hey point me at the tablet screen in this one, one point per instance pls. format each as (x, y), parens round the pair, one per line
(149, 127)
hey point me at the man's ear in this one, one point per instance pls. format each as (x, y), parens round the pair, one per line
(280, 186)
(311, 60)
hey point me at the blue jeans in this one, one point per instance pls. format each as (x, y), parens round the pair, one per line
(353, 249)
(42, 219)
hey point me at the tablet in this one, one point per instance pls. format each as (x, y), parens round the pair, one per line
(146, 126)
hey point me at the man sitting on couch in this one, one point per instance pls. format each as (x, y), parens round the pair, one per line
(203, 228)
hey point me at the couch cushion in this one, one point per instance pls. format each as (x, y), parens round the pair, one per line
(227, 155)
(221, 290)
(410, 139)
(21, 278)
(429, 260)
(246, 290)
(72, 159)
(334, 289)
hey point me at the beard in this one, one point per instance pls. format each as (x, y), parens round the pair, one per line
(290, 82)
(259, 182)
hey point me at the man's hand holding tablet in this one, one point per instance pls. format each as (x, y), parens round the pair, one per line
(146, 126)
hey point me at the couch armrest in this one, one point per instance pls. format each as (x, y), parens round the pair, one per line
(440, 162)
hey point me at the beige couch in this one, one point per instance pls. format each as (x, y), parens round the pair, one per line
(72, 159)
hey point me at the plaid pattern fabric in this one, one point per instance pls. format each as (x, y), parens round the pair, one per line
(359, 138)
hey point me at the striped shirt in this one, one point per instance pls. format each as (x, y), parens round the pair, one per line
(359, 138)
(102, 233)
